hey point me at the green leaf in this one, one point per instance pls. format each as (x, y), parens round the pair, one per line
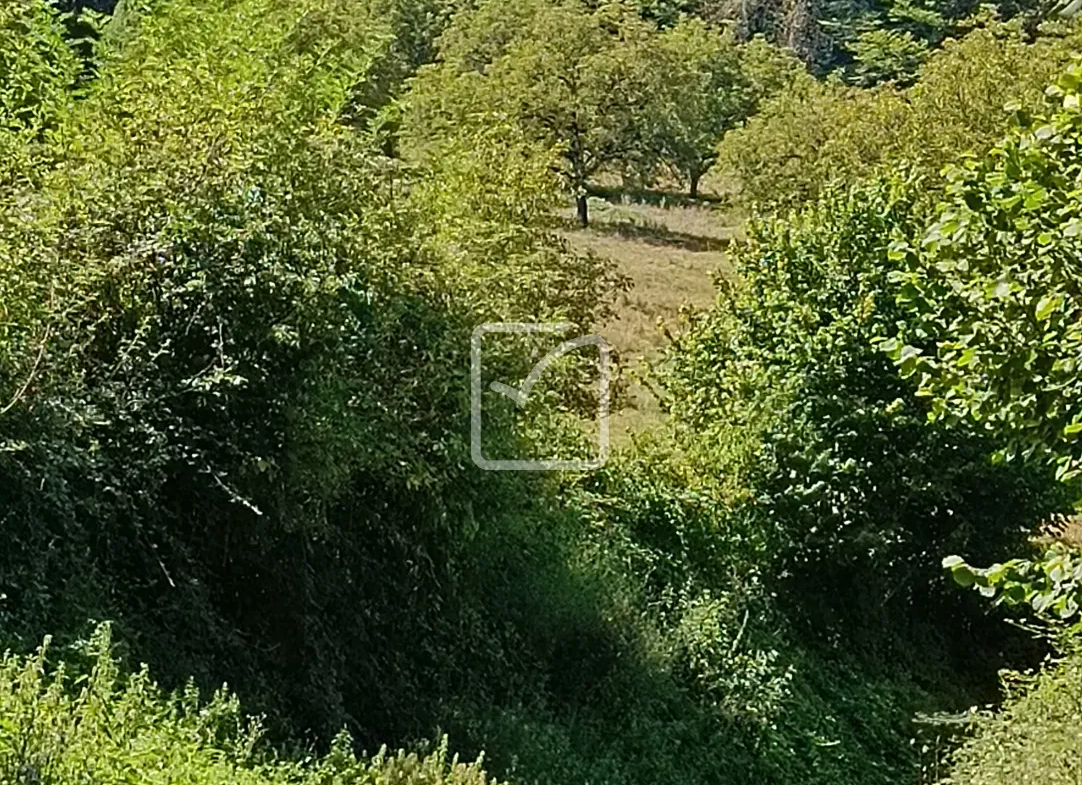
(964, 575)
(1046, 306)
(909, 353)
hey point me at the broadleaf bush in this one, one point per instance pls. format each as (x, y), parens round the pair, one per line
(103, 726)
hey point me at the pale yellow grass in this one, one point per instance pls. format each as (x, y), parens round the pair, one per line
(670, 255)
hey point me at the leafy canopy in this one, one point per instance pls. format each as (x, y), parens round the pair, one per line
(992, 289)
(700, 93)
(817, 133)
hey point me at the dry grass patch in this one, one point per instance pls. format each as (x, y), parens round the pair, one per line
(671, 255)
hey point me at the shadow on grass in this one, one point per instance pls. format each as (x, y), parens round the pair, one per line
(661, 236)
(655, 198)
(648, 233)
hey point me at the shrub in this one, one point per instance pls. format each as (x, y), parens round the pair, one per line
(107, 727)
(991, 337)
(1033, 738)
(234, 367)
(857, 495)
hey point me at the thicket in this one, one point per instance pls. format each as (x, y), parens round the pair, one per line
(990, 292)
(234, 364)
(783, 391)
(970, 288)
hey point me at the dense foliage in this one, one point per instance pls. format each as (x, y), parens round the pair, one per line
(817, 133)
(243, 247)
(855, 491)
(247, 295)
(992, 288)
(990, 292)
(116, 728)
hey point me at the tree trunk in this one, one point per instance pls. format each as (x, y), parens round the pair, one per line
(695, 184)
(583, 211)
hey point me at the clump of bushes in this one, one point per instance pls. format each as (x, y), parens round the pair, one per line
(783, 385)
(989, 336)
(1034, 738)
(234, 364)
(103, 726)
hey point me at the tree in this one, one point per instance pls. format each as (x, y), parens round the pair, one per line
(770, 69)
(886, 55)
(813, 132)
(701, 92)
(572, 77)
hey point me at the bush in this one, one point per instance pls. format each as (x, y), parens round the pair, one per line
(234, 367)
(991, 299)
(106, 727)
(1033, 738)
(782, 385)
